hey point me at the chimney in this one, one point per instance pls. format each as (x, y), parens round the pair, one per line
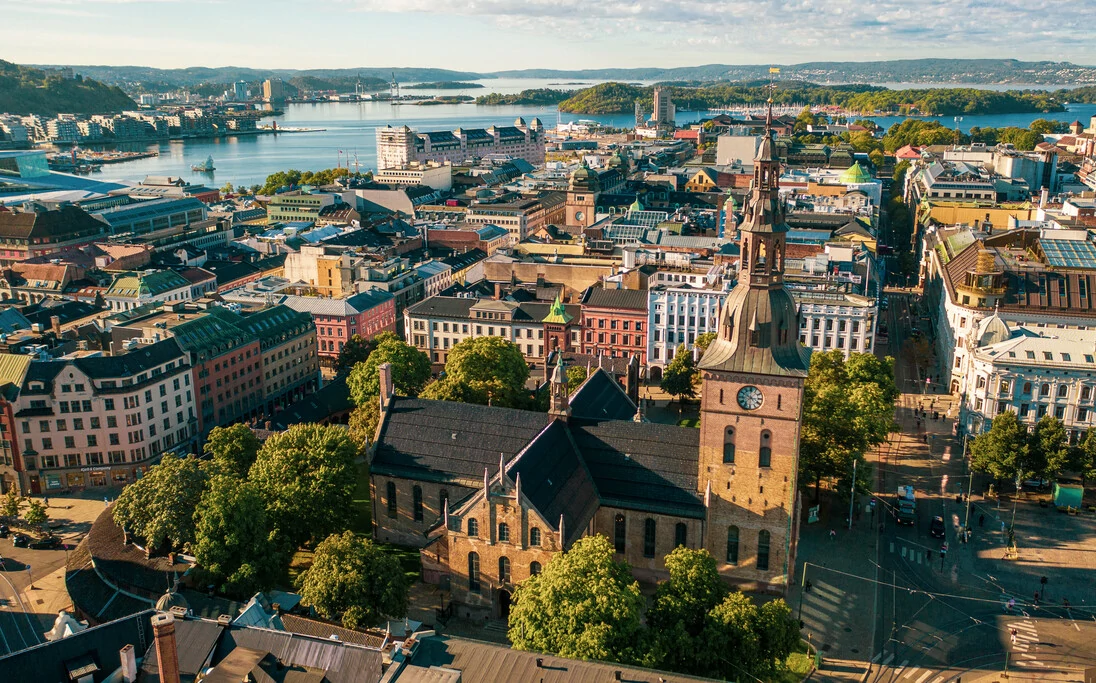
(498, 291)
(167, 652)
(55, 321)
(384, 370)
(129, 664)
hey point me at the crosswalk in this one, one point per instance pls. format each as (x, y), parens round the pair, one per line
(1025, 643)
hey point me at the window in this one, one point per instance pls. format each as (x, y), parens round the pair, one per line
(1086, 393)
(1063, 390)
(681, 534)
(534, 536)
(1044, 390)
(504, 532)
(473, 573)
(728, 446)
(416, 502)
(732, 545)
(504, 570)
(1027, 388)
(473, 527)
(763, 550)
(391, 491)
(765, 455)
(70, 442)
(534, 568)
(650, 528)
(619, 533)
(93, 440)
(1059, 412)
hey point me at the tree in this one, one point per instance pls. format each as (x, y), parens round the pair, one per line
(159, 507)
(355, 351)
(354, 578)
(778, 634)
(576, 375)
(307, 475)
(677, 617)
(36, 514)
(584, 605)
(410, 370)
(703, 341)
(362, 426)
(1082, 458)
(731, 638)
(233, 449)
(877, 158)
(227, 189)
(1048, 449)
(848, 407)
(491, 367)
(11, 504)
(449, 389)
(1002, 451)
(233, 543)
(677, 379)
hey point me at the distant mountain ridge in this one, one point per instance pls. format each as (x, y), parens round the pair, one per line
(196, 75)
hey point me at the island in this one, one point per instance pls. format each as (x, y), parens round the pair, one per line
(540, 96)
(442, 85)
(854, 99)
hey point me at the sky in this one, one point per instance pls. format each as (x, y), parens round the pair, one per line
(495, 35)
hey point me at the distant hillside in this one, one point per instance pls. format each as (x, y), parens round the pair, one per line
(25, 90)
(968, 71)
(134, 77)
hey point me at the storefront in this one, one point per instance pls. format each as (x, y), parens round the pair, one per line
(97, 477)
(76, 480)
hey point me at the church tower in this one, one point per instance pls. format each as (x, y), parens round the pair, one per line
(753, 377)
(582, 193)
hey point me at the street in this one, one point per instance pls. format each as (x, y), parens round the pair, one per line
(890, 595)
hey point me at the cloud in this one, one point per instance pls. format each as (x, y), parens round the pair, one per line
(799, 29)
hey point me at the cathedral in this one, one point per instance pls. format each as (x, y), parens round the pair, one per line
(491, 494)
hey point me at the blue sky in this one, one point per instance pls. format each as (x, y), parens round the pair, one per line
(490, 35)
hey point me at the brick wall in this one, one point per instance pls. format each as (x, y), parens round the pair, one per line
(647, 568)
(404, 528)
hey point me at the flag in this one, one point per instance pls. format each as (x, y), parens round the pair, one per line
(774, 69)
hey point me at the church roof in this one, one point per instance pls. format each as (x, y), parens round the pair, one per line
(558, 313)
(754, 346)
(601, 397)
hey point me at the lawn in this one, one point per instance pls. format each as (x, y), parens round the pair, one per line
(799, 664)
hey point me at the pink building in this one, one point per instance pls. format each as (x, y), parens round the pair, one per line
(337, 320)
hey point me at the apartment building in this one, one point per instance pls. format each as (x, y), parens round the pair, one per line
(298, 206)
(680, 307)
(433, 175)
(367, 314)
(522, 217)
(97, 420)
(41, 231)
(439, 323)
(132, 290)
(614, 323)
(291, 365)
(835, 320)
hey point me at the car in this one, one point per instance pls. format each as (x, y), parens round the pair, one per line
(46, 543)
(4, 531)
(936, 527)
(20, 540)
(1036, 483)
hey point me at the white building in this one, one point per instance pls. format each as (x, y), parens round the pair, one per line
(680, 307)
(437, 276)
(1032, 372)
(833, 320)
(436, 176)
(398, 147)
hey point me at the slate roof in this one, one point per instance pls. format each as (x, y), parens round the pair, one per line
(343, 662)
(12, 320)
(601, 397)
(195, 640)
(64, 223)
(126, 566)
(352, 305)
(150, 283)
(624, 299)
(67, 311)
(331, 399)
(642, 466)
(444, 441)
(132, 363)
(321, 629)
(556, 481)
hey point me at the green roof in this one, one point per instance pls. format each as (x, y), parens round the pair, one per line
(636, 205)
(558, 313)
(149, 283)
(855, 174)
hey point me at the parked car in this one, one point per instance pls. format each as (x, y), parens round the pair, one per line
(936, 527)
(20, 540)
(4, 531)
(1036, 483)
(46, 543)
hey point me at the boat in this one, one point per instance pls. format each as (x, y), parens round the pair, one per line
(204, 168)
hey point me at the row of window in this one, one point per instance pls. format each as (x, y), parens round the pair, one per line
(841, 325)
(1062, 390)
(764, 453)
(626, 339)
(474, 584)
(624, 324)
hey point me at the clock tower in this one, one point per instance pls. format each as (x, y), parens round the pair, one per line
(753, 377)
(582, 193)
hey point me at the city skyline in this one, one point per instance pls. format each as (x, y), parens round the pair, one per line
(539, 34)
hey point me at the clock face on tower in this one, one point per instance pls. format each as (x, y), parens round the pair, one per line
(750, 398)
(579, 215)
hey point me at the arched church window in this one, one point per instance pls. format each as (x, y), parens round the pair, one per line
(728, 446)
(765, 454)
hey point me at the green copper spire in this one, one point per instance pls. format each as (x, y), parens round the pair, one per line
(558, 314)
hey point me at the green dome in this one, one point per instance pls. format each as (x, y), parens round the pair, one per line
(636, 206)
(855, 174)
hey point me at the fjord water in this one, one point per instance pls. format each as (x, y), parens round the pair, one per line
(349, 132)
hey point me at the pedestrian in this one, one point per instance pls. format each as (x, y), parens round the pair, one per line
(807, 587)
(981, 520)
(45, 500)
(1013, 634)
(1036, 600)
(833, 535)
(1065, 603)
(1011, 603)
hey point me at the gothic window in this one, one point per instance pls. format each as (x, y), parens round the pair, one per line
(681, 534)
(534, 536)
(732, 545)
(728, 446)
(390, 490)
(534, 568)
(473, 573)
(765, 454)
(504, 570)
(763, 550)
(504, 532)
(473, 527)
(416, 501)
(619, 533)
(649, 530)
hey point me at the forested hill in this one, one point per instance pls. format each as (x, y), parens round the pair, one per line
(619, 98)
(25, 90)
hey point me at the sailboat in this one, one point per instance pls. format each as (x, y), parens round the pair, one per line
(204, 168)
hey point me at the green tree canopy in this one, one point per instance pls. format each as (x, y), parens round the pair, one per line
(448, 389)
(353, 578)
(678, 615)
(703, 341)
(576, 375)
(307, 475)
(11, 503)
(233, 543)
(1048, 448)
(678, 377)
(584, 604)
(356, 350)
(731, 638)
(1002, 451)
(1082, 458)
(159, 507)
(36, 514)
(362, 426)
(233, 449)
(491, 367)
(410, 370)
